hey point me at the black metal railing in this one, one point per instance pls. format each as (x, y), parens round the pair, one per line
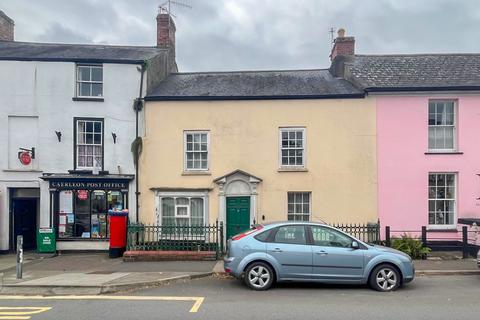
(463, 238)
(144, 237)
(367, 232)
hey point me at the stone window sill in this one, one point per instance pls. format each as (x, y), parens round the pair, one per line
(196, 173)
(442, 229)
(88, 99)
(292, 169)
(443, 152)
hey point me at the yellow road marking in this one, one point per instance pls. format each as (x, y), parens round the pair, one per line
(20, 313)
(198, 300)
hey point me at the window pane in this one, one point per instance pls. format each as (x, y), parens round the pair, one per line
(439, 138)
(97, 74)
(115, 200)
(84, 89)
(84, 73)
(181, 201)
(330, 238)
(97, 89)
(449, 131)
(291, 234)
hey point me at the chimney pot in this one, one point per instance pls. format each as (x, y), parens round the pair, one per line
(341, 33)
(6, 27)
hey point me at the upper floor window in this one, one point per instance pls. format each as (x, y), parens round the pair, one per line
(196, 150)
(89, 81)
(89, 143)
(441, 125)
(292, 147)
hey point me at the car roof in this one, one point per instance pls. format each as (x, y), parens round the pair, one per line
(281, 223)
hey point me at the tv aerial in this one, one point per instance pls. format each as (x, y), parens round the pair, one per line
(166, 7)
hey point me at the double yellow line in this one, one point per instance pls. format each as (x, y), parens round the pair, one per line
(197, 300)
(20, 313)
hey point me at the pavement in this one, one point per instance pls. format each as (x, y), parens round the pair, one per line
(93, 274)
(218, 297)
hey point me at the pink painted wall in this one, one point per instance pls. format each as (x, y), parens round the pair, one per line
(403, 166)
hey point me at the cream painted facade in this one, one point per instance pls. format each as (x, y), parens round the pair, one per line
(340, 157)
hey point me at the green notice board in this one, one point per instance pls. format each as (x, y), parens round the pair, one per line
(46, 240)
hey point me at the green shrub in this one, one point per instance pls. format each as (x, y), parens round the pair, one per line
(411, 246)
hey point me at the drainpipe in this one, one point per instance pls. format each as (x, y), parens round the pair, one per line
(138, 108)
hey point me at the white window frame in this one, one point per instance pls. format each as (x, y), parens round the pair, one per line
(304, 148)
(175, 195)
(455, 207)
(179, 206)
(187, 132)
(301, 214)
(78, 81)
(455, 129)
(77, 144)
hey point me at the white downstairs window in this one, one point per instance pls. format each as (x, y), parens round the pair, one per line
(442, 200)
(182, 211)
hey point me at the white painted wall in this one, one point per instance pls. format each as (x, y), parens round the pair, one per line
(43, 91)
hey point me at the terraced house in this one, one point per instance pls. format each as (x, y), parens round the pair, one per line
(68, 117)
(427, 110)
(258, 146)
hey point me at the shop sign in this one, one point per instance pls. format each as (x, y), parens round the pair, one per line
(89, 185)
(82, 194)
(25, 158)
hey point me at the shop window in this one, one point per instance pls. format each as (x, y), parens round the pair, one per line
(99, 214)
(84, 213)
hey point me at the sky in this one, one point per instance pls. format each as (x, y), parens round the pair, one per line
(219, 35)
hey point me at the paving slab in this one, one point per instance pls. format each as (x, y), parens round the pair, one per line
(73, 280)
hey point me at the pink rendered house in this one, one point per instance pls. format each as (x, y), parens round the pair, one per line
(428, 137)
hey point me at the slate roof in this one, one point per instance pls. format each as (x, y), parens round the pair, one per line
(31, 51)
(415, 72)
(294, 84)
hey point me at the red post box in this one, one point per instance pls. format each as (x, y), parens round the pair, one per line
(118, 233)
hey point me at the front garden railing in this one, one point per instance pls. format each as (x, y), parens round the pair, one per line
(144, 237)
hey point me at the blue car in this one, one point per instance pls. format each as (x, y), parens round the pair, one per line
(307, 251)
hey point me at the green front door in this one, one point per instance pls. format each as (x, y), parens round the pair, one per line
(238, 215)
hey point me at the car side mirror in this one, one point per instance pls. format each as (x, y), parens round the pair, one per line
(355, 245)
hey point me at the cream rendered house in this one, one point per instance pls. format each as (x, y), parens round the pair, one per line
(254, 147)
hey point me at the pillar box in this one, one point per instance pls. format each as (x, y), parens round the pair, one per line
(118, 232)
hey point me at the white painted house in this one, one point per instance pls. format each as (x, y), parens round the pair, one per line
(67, 123)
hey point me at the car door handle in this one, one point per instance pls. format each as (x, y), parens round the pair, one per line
(322, 253)
(276, 250)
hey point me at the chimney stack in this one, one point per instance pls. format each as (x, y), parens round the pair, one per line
(342, 46)
(165, 31)
(6, 27)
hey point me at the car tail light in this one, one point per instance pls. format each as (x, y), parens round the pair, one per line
(241, 235)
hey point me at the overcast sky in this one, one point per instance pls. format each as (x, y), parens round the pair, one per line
(256, 34)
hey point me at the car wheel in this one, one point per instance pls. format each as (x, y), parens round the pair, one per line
(385, 278)
(259, 276)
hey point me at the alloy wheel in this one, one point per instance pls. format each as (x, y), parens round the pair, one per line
(386, 279)
(259, 276)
